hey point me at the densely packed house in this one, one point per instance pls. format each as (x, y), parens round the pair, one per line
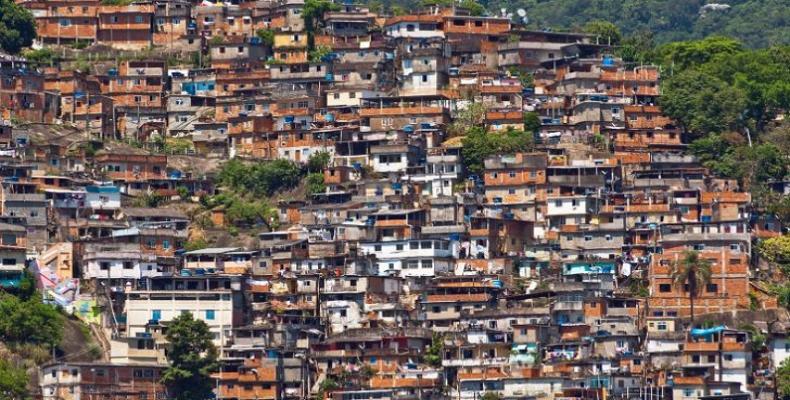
(546, 274)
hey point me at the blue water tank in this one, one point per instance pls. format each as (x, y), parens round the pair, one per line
(608, 61)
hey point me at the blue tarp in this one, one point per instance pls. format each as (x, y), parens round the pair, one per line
(707, 332)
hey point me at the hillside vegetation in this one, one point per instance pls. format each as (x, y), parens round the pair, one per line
(756, 23)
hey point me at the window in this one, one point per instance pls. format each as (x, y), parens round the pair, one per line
(414, 245)
(398, 247)
(128, 265)
(65, 22)
(664, 288)
(712, 358)
(156, 315)
(712, 288)
(138, 19)
(728, 357)
(377, 247)
(9, 239)
(165, 244)
(210, 315)
(104, 266)
(425, 78)
(695, 358)
(662, 326)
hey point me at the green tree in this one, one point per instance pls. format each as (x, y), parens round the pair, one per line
(29, 321)
(607, 32)
(478, 144)
(531, 122)
(192, 357)
(777, 251)
(13, 381)
(473, 7)
(315, 183)
(17, 27)
(397, 10)
(266, 36)
(693, 272)
(473, 115)
(40, 58)
(491, 396)
(715, 153)
(702, 103)
(197, 244)
(781, 209)
(313, 12)
(318, 53)
(783, 379)
(638, 47)
(685, 55)
(433, 355)
(318, 161)
(262, 178)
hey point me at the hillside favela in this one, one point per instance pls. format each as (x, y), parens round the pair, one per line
(394, 200)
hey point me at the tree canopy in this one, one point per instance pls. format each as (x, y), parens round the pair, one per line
(17, 27)
(259, 178)
(29, 321)
(607, 32)
(192, 357)
(13, 381)
(478, 144)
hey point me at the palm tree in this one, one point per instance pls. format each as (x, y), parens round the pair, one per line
(693, 271)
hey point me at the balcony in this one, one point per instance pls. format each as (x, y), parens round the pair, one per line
(702, 346)
(569, 306)
(735, 346)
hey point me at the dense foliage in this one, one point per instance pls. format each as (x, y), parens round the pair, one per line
(480, 144)
(757, 23)
(192, 357)
(727, 98)
(29, 321)
(783, 379)
(17, 27)
(260, 178)
(13, 381)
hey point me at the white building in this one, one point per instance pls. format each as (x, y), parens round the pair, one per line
(214, 299)
(411, 257)
(120, 263)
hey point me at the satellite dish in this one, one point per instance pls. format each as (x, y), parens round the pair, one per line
(521, 12)
(503, 11)
(509, 15)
